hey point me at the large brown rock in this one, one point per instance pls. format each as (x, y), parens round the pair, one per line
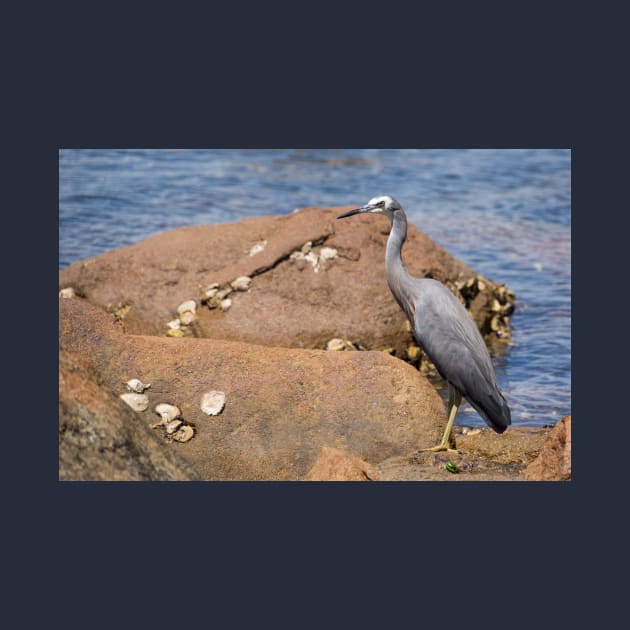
(288, 304)
(282, 405)
(554, 461)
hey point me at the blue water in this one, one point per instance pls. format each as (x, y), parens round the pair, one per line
(506, 213)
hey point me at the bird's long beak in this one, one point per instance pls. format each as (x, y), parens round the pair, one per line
(357, 211)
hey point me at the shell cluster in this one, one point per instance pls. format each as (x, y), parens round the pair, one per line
(171, 422)
(499, 298)
(306, 254)
(186, 312)
(120, 310)
(417, 357)
(502, 307)
(216, 296)
(186, 315)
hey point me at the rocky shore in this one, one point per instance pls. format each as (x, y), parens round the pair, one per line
(259, 310)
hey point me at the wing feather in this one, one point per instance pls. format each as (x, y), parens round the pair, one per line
(451, 339)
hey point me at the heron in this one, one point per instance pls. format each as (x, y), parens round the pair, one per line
(443, 328)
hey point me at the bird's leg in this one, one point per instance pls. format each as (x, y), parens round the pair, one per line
(454, 399)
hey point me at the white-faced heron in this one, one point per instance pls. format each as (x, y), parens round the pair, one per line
(443, 328)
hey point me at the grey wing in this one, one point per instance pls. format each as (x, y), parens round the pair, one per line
(453, 342)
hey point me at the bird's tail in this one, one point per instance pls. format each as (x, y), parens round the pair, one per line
(495, 411)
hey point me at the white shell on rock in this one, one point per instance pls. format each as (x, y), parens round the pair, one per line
(306, 248)
(173, 425)
(313, 258)
(136, 385)
(184, 434)
(336, 345)
(327, 253)
(190, 306)
(138, 402)
(257, 248)
(187, 317)
(213, 402)
(67, 293)
(241, 283)
(225, 304)
(174, 324)
(174, 332)
(167, 411)
(224, 292)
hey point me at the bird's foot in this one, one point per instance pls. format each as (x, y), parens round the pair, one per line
(440, 447)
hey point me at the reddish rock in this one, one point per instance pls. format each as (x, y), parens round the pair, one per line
(335, 465)
(288, 304)
(554, 461)
(282, 405)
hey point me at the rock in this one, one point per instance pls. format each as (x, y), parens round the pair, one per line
(554, 461)
(335, 465)
(101, 438)
(518, 445)
(284, 307)
(484, 456)
(285, 405)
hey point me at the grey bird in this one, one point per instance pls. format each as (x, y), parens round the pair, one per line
(443, 328)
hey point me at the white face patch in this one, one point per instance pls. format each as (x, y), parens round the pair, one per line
(376, 200)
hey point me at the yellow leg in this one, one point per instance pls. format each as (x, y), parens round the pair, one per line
(454, 400)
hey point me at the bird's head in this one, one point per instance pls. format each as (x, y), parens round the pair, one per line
(383, 204)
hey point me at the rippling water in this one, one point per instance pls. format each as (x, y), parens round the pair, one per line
(506, 213)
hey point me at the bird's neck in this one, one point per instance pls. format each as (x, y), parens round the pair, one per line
(398, 278)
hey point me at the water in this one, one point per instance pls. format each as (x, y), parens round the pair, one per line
(506, 213)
